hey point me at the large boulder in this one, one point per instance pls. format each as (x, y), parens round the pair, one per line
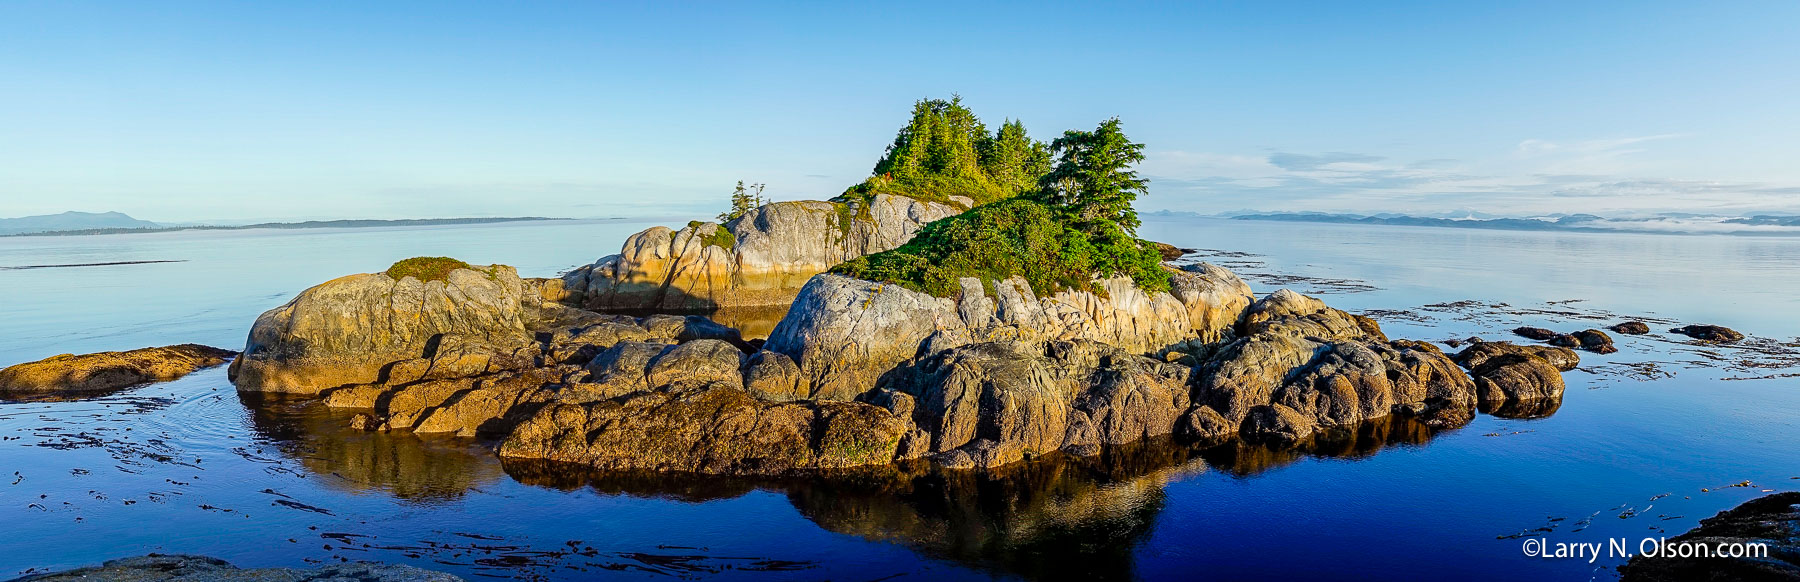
(845, 333)
(105, 371)
(1299, 366)
(1523, 380)
(761, 258)
(351, 330)
(994, 403)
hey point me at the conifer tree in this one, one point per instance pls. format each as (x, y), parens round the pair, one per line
(743, 199)
(1093, 182)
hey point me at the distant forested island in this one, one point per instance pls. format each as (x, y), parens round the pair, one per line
(360, 223)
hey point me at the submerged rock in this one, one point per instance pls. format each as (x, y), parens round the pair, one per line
(1536, 333)
(190, 568)
(1631, 328)
(104, 371)
(1772, 521)
(1709, 333)
(762, 258)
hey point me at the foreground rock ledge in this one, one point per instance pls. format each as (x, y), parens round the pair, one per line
(190, 568)
(106, 371)
(1773, 520)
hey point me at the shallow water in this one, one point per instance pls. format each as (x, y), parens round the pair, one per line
(189, 466)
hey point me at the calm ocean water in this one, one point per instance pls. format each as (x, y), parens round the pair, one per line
(189, 466)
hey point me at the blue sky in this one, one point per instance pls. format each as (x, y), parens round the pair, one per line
(242, 111)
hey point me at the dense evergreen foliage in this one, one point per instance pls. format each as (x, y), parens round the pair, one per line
(1077, 225)
(945, 151)
(1093, 183)
(1012, 237)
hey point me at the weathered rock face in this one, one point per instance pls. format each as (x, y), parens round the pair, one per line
(1710, 333)
(1522, 380)
(1631, 328)
(773, 250)
(351, 329)
(189, 568)
(1771, 520)
(490, 401)
(104, 371)
(710, 428)
(995, 403)
(1299, 366)
(844, 333)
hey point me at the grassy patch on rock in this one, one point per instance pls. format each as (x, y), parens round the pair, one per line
(426, 269)
(1014, 237)
(719, 237)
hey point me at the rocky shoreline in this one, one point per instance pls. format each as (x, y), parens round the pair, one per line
(860, 373)
(189, 568)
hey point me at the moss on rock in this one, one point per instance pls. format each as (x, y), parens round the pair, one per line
(426, 269)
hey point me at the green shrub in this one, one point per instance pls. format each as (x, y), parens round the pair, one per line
(426, 268)
(719, 237)
(1012, 237)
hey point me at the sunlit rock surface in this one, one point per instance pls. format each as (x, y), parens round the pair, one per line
(107, 371)
(351, 330)
(844, 333)
(761, 258)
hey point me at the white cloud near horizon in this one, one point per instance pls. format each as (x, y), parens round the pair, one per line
(1608, 176)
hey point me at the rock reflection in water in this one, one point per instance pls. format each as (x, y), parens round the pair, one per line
(402, 464)
(1242, 459)
(1053, 518)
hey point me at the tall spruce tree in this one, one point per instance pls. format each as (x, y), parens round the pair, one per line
(1012, 159)
(743, 199)
(1093, 182)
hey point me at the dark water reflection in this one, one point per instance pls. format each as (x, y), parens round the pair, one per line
(1059, 517)
(406, 466)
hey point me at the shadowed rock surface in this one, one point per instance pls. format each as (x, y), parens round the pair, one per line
(1773, 520)
(771, 252)
(189, 568)
(107, 371)
(712, 428)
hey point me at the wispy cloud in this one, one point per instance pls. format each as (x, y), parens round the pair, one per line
(1538, 176)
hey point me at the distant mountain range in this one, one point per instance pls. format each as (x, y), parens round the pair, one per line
(1659, 224)
(82, 223)
(71, 221)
